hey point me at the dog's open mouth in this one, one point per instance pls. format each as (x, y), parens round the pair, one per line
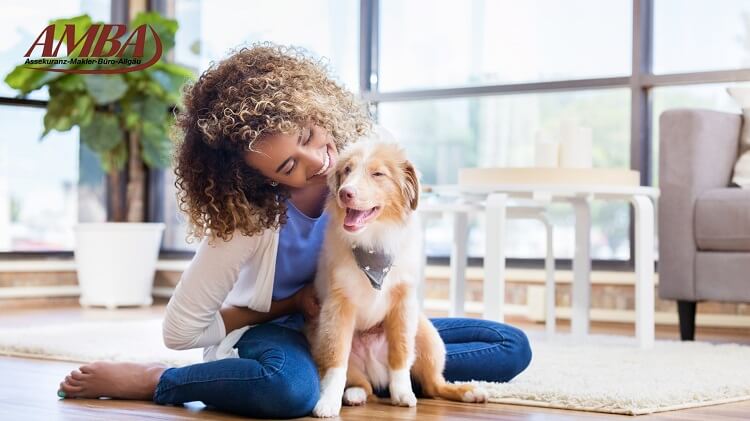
(356, 218)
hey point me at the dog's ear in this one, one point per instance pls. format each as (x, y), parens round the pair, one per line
(411, 184)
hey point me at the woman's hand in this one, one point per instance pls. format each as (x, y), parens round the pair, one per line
(307, 301)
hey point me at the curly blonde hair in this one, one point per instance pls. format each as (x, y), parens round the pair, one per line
(261, 90)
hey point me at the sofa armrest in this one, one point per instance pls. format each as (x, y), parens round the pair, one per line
(697, 152)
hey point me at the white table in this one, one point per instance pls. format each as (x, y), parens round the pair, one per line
(496, 197)
(460, 211)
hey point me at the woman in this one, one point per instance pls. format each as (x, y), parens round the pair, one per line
(260, 133)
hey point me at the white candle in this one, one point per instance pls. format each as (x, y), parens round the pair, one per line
(546, 150)
(576, 146)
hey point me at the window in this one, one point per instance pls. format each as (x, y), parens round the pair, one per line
(468, 83)
(47, 186)
(442, 136)
(209, 30)
(430, 44)
(45, 189)
(701, 35)
(22, 21)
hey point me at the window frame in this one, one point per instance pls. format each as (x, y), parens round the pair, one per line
(119, 12)
(640, 82)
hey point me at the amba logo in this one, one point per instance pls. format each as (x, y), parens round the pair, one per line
(98, 45)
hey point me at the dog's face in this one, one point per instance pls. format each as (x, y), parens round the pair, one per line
(373, 182)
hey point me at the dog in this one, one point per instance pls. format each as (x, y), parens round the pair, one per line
(370, 332)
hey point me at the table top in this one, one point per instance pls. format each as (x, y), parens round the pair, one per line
(554, 190)
(549, 176)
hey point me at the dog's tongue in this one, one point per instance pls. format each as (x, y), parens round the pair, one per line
(355, 217)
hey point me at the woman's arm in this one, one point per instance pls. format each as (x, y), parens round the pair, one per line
(236, 317)
(303, 300)
(192, 318)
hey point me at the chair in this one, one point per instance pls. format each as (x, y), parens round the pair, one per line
(704, 224)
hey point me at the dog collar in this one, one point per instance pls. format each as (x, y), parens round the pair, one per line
(375, 264)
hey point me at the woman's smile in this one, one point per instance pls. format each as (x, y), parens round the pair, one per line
(328, 162)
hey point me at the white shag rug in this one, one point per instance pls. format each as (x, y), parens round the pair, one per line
(602, 374)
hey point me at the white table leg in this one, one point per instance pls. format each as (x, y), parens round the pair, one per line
(581, 295)
(644, 269)
(457, 287)
(549, 268)
(494, 257)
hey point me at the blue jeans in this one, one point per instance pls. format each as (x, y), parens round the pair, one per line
(275, 376)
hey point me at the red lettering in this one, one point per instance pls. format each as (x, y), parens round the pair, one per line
(138, 45)
(49, 35)
(112, 39)
(69, 35)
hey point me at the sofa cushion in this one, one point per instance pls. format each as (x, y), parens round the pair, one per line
(722, 220)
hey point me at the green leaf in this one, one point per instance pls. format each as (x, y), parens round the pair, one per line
(59, 113)
(66, 109)
(148, 109)
(164, 27)
(81, 22)
(156, 145)
(71, 82)
(171, 77)
(103, 133)
(175, 70)
(105, 88)
(115, 158)
(83, 110)
(26, 80)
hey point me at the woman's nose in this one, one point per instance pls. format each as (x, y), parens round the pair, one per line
(314, 158)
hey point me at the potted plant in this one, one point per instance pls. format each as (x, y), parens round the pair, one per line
(124, 118)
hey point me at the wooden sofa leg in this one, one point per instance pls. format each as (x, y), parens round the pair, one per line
(686, 313)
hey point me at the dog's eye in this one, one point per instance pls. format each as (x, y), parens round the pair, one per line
(377, 174)
(347, 170)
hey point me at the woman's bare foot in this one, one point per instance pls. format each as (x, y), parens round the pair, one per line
(112, 380)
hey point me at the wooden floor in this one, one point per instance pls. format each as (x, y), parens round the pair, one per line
(28, 386)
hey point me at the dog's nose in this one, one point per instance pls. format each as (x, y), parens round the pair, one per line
(346, 194)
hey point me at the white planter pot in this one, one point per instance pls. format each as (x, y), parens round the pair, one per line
(116, 262)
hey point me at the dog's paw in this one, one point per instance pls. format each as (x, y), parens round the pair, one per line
(327, 408)
(403, 398)
(354, 396)
(475, 395)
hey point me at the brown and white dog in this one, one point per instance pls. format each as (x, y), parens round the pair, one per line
(370, 331)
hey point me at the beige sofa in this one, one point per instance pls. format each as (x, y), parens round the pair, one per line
(704, 224)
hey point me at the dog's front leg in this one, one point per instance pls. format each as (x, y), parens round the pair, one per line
(401, 330)
(331, 352)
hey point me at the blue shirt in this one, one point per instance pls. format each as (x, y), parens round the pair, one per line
(300, 241)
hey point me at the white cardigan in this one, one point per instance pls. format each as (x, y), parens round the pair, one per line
(237, 272)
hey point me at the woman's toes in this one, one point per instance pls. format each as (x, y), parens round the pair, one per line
(70, 390)
(77, 375)
(86, 369)
(71, 381)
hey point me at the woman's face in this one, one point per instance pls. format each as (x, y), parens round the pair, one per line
(296, 160)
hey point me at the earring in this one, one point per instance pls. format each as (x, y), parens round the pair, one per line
(274, 183)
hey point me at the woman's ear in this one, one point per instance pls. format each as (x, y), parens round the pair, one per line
(411, 185)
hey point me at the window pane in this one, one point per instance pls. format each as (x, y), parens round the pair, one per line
(700, 35)
(439, 43)
(41, 193)
(22, 21)
(711, 96)
(327, 28)
(442, 136)
(174, 219)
